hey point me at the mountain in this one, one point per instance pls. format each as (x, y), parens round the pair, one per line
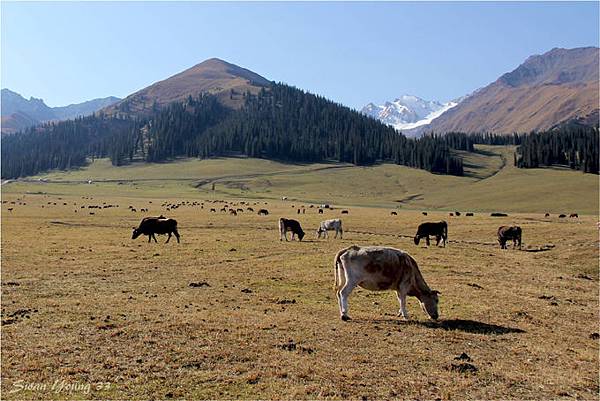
(217, 109)
(556, 88)
(19, 113)
(407, 112)
(226, 81)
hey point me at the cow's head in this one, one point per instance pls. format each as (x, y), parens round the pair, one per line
(429, 303)
(136, 233)
(319, 232)
(417, 239)
(300, 235)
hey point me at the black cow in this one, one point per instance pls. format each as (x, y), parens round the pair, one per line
(156, 225)
(498, 214)
(344, 212)
(263, 212)
(469, 214)
(575, 215)
(562, 216)
(507, 233)
(286, 225)
(439, 230)
(393, 214)
(320, 211)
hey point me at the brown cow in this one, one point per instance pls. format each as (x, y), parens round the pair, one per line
(507, 233)
(379, 268)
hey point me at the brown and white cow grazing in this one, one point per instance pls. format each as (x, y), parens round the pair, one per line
(156, 225)
(439, 230)
(286, 225)
(379, 268)
(264, 212)
(507, 233)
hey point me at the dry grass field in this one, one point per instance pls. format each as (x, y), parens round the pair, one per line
(232, 312)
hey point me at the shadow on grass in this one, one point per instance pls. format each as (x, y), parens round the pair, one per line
(467, 326)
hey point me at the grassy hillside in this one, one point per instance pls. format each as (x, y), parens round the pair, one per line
(491, 183)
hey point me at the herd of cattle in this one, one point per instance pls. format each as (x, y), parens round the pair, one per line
(373, 267)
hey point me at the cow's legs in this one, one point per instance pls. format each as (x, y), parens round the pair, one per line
(437, 240)
(402, 299)
(168, 238)
(343, 295)
(176, 235)
(154, 237)
(427, 240)
(149, 238)
(341, 233)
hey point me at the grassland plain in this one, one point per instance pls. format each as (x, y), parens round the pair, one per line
(491, 183)
(231, 312)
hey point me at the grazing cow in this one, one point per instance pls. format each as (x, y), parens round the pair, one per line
(320, 211)
(393, 214)
(439, 230)
(250, 209)
(156, 225)
(497, 214)
(562, 216)
(286, 225)
(457, 213)
(507, 233)
(424, 213)
(379, 268)
(451, 214)
(575, 215)
(239, 210)
(10, 209)
(469, 214)
(232, 212)
(326, 225)
(263, 212)
(547, 215)
(213, 210)
(344, 212)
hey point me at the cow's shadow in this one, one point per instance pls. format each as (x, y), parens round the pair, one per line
(470, 326)
(465, 325)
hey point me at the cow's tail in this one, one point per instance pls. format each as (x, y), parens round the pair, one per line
(337, 264)
(445, 233)
(281, 229)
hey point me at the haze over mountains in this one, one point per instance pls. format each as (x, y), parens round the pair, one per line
(19, 113)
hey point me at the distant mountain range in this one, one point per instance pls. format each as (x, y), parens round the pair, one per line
(548, 90)
(408, 112)
(555, 88)
(19, 113)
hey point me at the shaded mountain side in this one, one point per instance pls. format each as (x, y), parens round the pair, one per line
(559, 86)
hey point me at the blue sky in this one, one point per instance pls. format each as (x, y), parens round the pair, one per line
(352, 53)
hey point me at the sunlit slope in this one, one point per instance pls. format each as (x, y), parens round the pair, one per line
(491, 183)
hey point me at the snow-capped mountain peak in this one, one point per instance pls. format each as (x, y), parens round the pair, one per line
(407, 111)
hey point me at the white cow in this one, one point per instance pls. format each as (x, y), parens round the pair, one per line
(379, 268)
(326, 225)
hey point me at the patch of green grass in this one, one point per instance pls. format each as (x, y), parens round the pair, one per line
(491, 183)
